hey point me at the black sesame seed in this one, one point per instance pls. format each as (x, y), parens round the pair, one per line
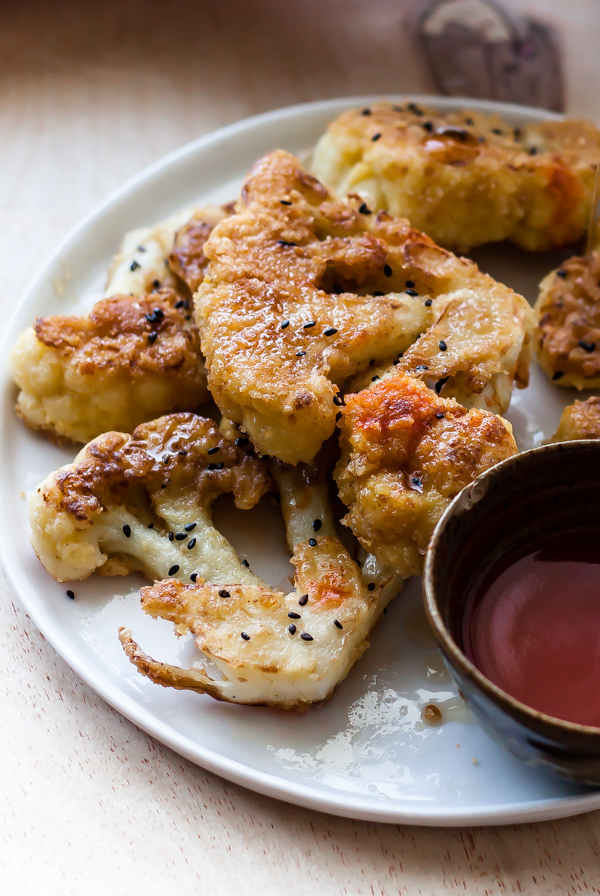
(300, 354)
(182, 453)
(294, 615)
(245, 636)
(224, 593)
(375, 138)
(337, 401)
(338, 416)
(211, 467)
(70, 594)
(410, 284)
(171, 536)
(180, 303)
(421, 367)
(286, 243)
(414, 480)
(241, 441)
(411, 292)
(312, 542)
(285, 325)
(180, 536)
(156, 284)
(371, 586)
(309, 324)
(532, 150)
(374, 378)
(412, 107)
(214, 449)
(428, 303)
(292, 629)
(387, 270)
(497, 131)
(558, 375)
(134, 265)
(469, 121)
(190, 527)
(517, 133)
(303, 600)
(317, 525)
(152, 337)
(141, 248)
(441, 383)
(193, 577)
(245, 563)
(174, 569)
(306, 637)
(151, 525)
(330, 331)
(442, 346)
(366, 112)
(337, 623)
(587, 346)
(191, 544)
(427, 126)
(440, 415)
(364, 209)
(127, 530)
(561, 273)
(285, 202)
(377, 293)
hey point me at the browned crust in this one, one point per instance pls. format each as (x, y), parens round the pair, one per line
(580, 420)
(187, 260)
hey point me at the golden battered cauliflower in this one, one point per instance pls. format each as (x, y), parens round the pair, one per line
(580, 420)
(284, 650)
(129, 360)
(405, 454)
(143, 502)
(465, 178)
(567, 341)
(303, 292)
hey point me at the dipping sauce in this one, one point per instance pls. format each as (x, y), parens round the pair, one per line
(532, 625)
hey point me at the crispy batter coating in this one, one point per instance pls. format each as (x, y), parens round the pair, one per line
(580, 420)
(129, 360)
(405, 454)
(113, 507)
(187, 259)
(465, 178)
(304, 291)
(567, 341)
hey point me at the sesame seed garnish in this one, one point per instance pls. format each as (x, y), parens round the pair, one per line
(245, 636)
(338, 416)
(366, 112)
(441, 383)
(156, 316)
(191, 544)
(303, 600)
(374, 378)
(558, 375)
(337, 401)
(561, 273)
(211, 467)
(171, 536)
(285, 202)
(292, 629)
(469, 121)
(306, 637)
(213, 450)
(412, 107)
(317, 525)
(286, 243)
(193, 577)
(428, 303)
(241, 441)
(156, 284)
(375, 138)
(371, 586)
(309, 324)
(300, 354)
(497, 131)
(440, 415)
(151, 525)
(174, 569)
(245, 563)
(337, 623)
(70, 594)
(414, 480)
(284, 325)
(410, 284)
(587, 346)
(517, 133)
(190, 527)
(421, 367)
(152, 337)
(182, 303)
(182, 453)
(134, 265)
(364, 209)
(312, 542)
(427, 126)
(387, 270)
(127, 530)
(293, 615)
(224, 593)
(442, 346)
(532, 151)
(378, 293)
(141, 248)
(180, 536)
(411, 292)
(330, 331)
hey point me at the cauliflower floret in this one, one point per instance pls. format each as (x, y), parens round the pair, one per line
(304, 292)
(284, 650)
(406, 453)
(129, 360)
(143, 502)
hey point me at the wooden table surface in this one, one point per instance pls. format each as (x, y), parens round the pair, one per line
(91, 93)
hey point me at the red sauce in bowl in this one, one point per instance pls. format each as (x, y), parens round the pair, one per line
(532, 625)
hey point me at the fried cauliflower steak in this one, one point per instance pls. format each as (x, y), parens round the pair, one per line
(406, 453)
(465, 178)
(303, 292)
(164, 255)
(143, 502)
(567, 341)
(129, 360)
(267, 647)
(580, 420)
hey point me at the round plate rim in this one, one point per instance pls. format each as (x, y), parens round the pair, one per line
(345, 805)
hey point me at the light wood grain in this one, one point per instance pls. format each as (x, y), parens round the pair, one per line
(90, 93)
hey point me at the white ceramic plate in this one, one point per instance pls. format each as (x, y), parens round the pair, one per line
(365, 754)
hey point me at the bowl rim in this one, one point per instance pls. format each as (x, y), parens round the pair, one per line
(529, 716)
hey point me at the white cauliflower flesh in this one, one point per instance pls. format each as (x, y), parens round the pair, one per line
(143, 502)
(129, 360)
(267, 647)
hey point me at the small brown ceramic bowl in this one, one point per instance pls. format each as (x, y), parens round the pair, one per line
(526, 497)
